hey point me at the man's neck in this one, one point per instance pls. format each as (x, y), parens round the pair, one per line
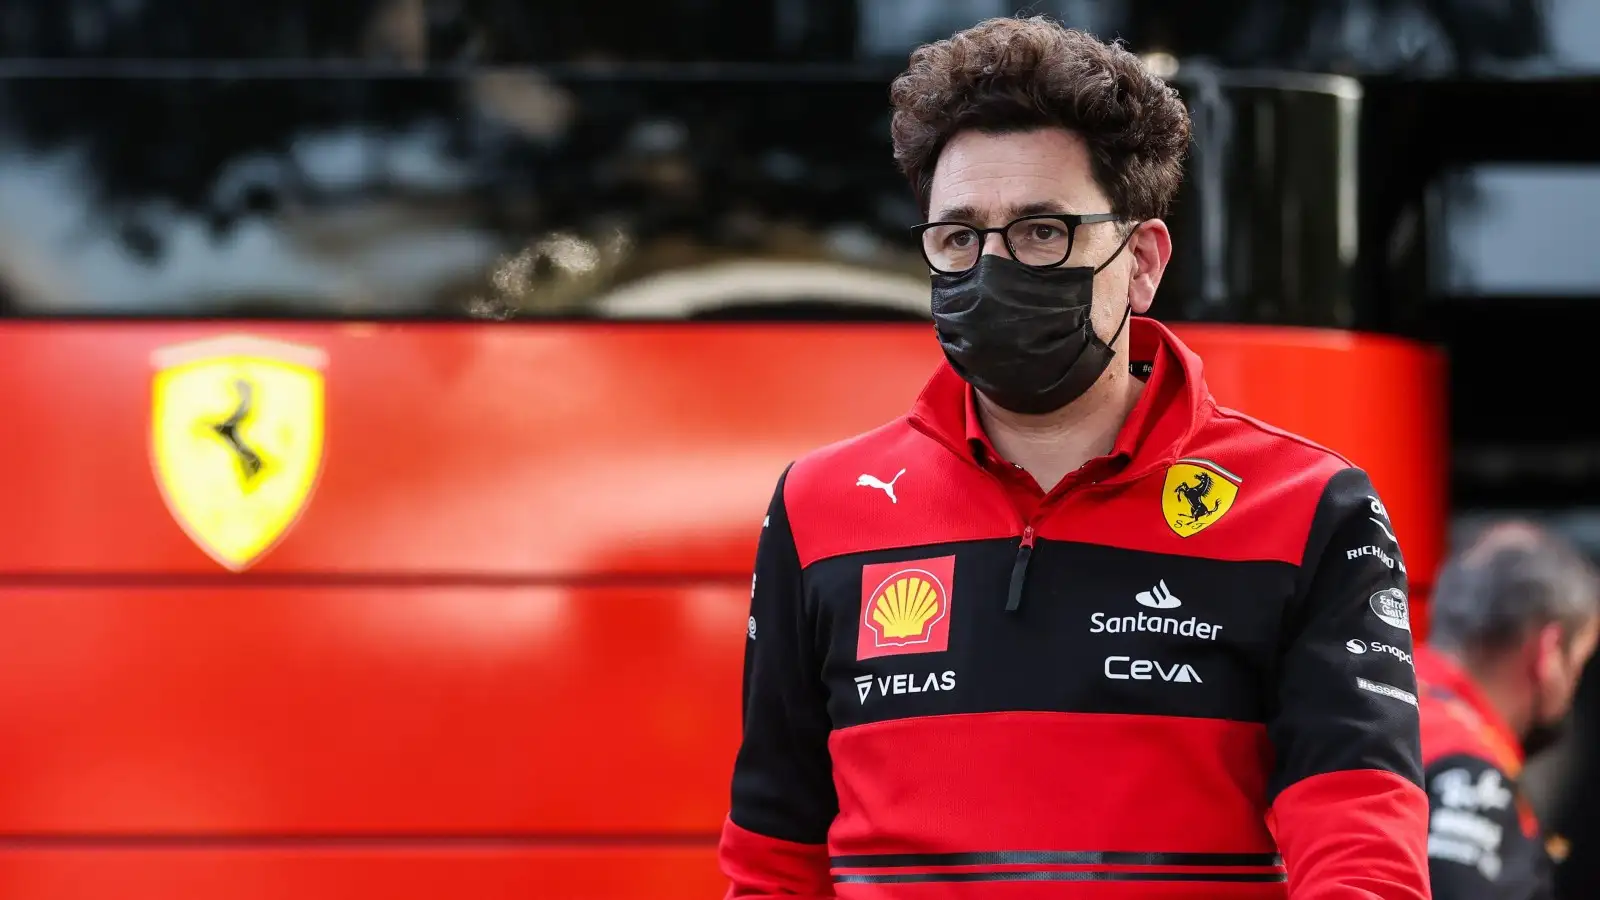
(1513, 706)
(1051, 446)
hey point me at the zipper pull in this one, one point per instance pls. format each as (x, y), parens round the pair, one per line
(1019, 570)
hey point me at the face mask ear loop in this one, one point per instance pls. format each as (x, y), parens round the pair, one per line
(1120, 247)
(1127, 311)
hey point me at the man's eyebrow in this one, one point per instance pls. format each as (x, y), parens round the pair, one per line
(956, 214)
(970, 216)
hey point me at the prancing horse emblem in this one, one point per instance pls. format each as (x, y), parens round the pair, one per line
(236, 440)
(1195, 494)
(228, 430)
(1198, 493)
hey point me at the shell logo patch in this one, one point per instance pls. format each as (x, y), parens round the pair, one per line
(1197, 494)
(905, 607)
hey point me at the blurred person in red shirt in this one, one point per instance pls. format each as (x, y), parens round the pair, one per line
(1515, 619)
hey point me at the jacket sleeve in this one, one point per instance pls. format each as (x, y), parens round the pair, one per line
(774, 843)
(1347, 806)
(1477, 848)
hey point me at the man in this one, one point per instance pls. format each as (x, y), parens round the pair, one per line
(1515, 620)
(1069, 628)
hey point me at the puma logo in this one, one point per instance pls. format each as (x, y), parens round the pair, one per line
(872, 481)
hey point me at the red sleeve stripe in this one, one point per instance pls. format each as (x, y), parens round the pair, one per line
(1359, 833)
(760, 867)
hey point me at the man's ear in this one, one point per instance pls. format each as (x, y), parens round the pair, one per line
(1549, 655)
(1151, 249)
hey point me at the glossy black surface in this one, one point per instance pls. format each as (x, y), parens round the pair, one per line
(554, 188)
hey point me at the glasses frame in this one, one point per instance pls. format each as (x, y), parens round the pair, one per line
(1071, 220)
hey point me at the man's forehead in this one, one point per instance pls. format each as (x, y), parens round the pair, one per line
(987, 178)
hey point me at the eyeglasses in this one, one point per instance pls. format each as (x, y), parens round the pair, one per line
(1040, 241)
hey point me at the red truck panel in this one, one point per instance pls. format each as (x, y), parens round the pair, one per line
(505, 450)
(487, 872)
(320, 710)
(496, 650)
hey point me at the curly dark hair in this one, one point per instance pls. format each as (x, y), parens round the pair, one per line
(1018, 74)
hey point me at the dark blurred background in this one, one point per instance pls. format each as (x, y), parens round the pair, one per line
(1420, 167)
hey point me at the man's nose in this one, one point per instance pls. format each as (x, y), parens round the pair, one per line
(995, 243)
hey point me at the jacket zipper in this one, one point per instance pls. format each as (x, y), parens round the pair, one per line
(1019, 566)
(1019, 570)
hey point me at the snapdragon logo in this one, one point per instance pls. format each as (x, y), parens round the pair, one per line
(1359, 647)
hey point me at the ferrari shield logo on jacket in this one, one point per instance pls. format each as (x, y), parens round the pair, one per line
(1198, 493)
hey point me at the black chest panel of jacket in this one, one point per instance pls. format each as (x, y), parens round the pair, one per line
(1103, 630)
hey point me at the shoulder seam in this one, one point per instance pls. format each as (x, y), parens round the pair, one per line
(808, 473)
(1280, 433)
(815, 454)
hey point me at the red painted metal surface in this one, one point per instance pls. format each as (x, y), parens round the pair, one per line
(545, 450)
(337, 873)
(511, 612)
(393, 709)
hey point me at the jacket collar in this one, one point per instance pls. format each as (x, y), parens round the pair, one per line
(1444, 679)
(1168, 412)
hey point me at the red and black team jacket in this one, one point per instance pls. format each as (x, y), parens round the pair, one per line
(1484, 841)
(1177, 674)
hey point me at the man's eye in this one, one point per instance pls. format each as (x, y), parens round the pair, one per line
(960, 239)
(1046, 232)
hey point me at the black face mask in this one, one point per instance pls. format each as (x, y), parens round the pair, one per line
(1023, 336)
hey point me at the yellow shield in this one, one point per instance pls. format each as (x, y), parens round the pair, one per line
(1198, 493)
(236, 440)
